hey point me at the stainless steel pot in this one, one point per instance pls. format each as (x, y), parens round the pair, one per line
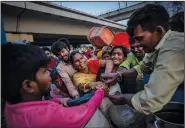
(171, 116)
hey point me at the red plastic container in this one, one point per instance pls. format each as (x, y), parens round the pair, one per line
(100, 36)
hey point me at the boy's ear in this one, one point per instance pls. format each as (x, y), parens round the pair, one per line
(28, 86)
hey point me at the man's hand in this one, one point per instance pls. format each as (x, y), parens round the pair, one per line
(93, 85)
(109, 78)
(64, 101)
(116, 99)
(100, 85)
(76, 96)
(104, 87)
(121, 99)
(97, 85)
(56, 91)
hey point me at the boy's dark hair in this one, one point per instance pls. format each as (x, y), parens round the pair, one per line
(46, 49)
(149, 17)
(19, 62)
(72, 55)
(57, 46)
(65, 41)
(177, 22)
(124, 50)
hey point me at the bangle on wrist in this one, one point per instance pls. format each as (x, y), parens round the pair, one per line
(119, 77)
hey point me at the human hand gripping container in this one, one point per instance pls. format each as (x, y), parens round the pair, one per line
(100, 36)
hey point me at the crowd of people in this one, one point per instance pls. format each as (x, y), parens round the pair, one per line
(38, 82)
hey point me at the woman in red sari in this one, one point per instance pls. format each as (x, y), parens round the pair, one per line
(89, 67)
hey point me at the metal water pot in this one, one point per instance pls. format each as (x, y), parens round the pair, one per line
(171, 116)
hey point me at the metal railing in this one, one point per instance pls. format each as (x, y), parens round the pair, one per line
(119, 7)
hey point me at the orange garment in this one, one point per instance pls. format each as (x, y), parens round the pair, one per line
(121, 38)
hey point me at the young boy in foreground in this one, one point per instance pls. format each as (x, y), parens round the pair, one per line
(25, 80)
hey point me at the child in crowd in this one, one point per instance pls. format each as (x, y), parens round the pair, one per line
(106, 55)
(58, 89)
(53, 61)
(25, 81)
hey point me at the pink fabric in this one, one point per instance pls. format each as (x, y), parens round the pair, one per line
(87, 54)
(51, 114)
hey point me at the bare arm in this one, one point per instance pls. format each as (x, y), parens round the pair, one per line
(108, 64)
(112, 77)
(67, 80)
(128, 73)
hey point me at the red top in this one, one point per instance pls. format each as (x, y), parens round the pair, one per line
(121, 38)
(52, 63)
(94, 66)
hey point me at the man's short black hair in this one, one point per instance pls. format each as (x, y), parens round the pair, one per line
(19, 62)
(149, 17)
(57, 46)
(46, 49)
(65, 41)
(123, 49)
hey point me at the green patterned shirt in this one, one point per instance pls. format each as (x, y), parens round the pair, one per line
(130, 61)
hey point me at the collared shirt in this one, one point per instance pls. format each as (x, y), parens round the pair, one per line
(66, 72)
(167, 66)
(130, 62)
(130, 54)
